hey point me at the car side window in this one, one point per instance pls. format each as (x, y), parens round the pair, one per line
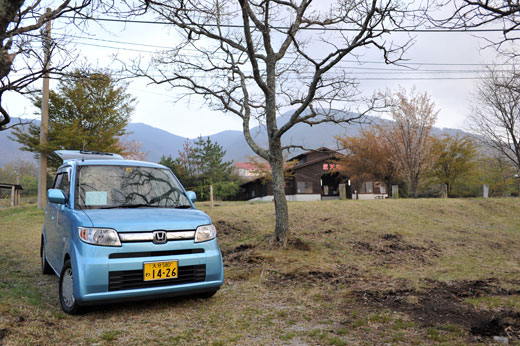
(65, 184)
(62, 182)
(57, 181)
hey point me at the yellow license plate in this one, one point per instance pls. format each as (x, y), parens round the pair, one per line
(160, 270)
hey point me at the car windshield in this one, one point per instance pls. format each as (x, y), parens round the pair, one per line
(105, 187)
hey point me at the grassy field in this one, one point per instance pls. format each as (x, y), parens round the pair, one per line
(355, 272)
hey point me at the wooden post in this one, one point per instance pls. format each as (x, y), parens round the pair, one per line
(17, 192)
(395, 191)
(485, 191)
(342, 191)
(211, 196)
(444, 192)
(42, 177)
(13, 191)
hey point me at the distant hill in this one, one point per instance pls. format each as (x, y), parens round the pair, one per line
(10, 150)
(157, 142)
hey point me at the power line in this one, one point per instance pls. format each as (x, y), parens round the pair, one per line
(361, 62)
(380, 71)
(363, 73)
(404, 78)
(111, 47)
(120, 42)
(402, 69)
(238, 26)
(421, 78)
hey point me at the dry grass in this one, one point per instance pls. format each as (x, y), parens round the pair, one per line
(355, 272)
(5, 201)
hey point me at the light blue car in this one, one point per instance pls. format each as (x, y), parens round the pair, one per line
(118, 230)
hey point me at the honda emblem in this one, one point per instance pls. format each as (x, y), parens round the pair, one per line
(159, 237)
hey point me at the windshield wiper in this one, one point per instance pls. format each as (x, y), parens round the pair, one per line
(183, 206)
(140, 205)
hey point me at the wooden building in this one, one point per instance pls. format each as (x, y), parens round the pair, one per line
(14, 190)
(314, 178)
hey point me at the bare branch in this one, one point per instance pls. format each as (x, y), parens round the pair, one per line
(20, 54)
(479, 13)
(496, 116)
(257, 58)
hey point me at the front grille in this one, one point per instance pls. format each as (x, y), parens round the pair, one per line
(155, 253)
(132, 279)
(127, 237)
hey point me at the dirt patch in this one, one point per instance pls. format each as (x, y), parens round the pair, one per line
(390, 236)
(241, 248)
(298, 244)
(242, 254)
(228, 229)
(347, 275)
(393, 249)
(444, 303)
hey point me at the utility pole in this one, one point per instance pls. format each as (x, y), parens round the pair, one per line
(211, 204)
(42, 178)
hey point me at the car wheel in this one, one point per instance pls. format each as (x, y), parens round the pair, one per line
(46, 268)
(206, 295)
(67, 300)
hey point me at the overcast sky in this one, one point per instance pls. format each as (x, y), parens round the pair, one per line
(443, 64)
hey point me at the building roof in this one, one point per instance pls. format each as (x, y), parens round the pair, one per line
(319, 150)
(328, 154)
(10, 186)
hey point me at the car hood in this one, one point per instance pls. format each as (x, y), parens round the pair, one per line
(147, 219)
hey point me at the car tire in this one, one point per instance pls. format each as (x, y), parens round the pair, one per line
(67, 300)
(206, 295)
(46, 268)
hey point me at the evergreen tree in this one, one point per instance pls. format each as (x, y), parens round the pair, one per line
(202, 164)
(88, 111)
(208, 157)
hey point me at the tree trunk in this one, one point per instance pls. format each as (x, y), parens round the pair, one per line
(276, 156)
(413, 186)
(280, 202)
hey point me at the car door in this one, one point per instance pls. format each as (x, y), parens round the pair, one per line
(63, 224)
(52, 243)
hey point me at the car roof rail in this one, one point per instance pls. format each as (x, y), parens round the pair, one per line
(67, 155)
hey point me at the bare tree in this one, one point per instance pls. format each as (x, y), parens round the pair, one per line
(409, 136)
(22, 60)
(256, 59)
(496, 114)
(479, 13)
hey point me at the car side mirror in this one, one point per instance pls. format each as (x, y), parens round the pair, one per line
(56, 196)
(192, 196)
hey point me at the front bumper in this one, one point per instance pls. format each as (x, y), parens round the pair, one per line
(97, 268)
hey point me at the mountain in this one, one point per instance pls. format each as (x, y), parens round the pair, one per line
(157, 142)
(10, 150)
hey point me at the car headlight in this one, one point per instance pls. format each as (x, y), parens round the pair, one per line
(205, 233)
(99, 236)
